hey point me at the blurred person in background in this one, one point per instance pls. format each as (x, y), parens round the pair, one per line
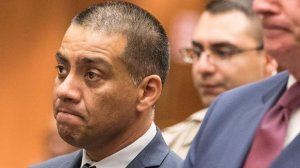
(257, 126)
(227, 51)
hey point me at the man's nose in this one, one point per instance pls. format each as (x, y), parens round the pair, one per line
(204, 64)
(68, 89)
(265, 7)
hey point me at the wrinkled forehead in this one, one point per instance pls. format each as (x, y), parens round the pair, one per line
(231, 27)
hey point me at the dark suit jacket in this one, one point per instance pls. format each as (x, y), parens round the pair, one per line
(227, 131)
(155, 155)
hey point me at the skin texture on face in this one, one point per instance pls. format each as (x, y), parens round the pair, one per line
(211, 79)
(95, 100)
(281, 23)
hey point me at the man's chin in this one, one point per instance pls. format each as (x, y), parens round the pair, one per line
(69, 135)
(207, 100)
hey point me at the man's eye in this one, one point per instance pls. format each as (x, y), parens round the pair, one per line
(224, 52)
(92, 76)
(61, 71)
(59, 68)
(198, 51)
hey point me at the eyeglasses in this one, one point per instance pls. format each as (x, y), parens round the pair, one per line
(216, 53)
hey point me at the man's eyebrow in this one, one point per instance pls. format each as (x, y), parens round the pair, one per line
(60, 57)
(94, 60)
(217, 44)
(196, 44)
(224, 44)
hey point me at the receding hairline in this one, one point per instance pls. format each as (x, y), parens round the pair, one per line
(146, 38)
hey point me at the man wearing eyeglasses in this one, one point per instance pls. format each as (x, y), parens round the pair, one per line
(227, 52)
(257, 126)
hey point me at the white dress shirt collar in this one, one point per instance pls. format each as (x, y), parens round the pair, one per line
(294, 125)
(123, 157)
(291, 81)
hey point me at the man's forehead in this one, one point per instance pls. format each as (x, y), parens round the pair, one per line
(231, 19)
(83, 38)
(90, 33)
(230, 27)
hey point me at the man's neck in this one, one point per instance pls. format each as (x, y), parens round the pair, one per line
(113, 145)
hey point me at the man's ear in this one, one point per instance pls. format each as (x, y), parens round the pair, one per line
(149, 91)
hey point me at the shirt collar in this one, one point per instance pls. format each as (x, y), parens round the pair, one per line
(291, 81)
(123, 157)
(198, 116)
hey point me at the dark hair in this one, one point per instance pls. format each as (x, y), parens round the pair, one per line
(147, 50)
(244, 3)
(244, 6)
(222, 6)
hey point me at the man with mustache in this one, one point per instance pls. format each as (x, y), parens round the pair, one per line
(112, 63)
(227, 52)
(257, 126)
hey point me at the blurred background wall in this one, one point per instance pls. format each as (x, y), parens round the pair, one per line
(30, 34)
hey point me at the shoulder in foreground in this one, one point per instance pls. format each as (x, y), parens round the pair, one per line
(59, 162)
(260, 86)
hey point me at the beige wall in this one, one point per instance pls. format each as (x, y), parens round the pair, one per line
(30, 33)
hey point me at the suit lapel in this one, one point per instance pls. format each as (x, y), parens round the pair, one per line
(243, 125)
(74, 163)
(289, 157)
(152, 155)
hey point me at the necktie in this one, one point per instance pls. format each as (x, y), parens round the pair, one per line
(88, 166)
(269, 138)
